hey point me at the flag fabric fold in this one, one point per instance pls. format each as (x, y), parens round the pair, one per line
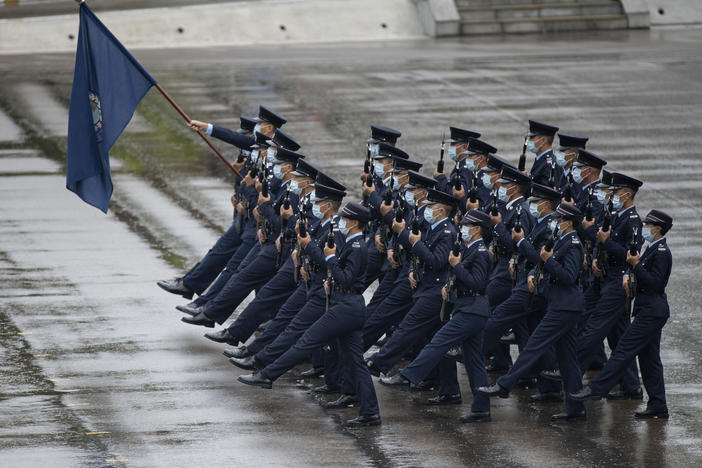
(108, 83)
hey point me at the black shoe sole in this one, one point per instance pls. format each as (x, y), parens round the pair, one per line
(255, 384)
(475, 420)
(185, 310)
(226, 341)
(366, 424)
(444, 403)
(186, 295)
(206, 324)
(241, 366)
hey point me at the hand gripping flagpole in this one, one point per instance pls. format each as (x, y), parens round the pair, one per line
(187, 119)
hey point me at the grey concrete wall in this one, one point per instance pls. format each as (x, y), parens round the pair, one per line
(675, 12)
(237, 23)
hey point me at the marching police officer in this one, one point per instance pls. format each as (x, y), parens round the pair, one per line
(343, 320)
(643, 337)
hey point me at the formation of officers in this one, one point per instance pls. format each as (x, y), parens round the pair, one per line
(477, 256)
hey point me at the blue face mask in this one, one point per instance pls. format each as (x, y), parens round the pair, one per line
(470, 164)
(254, 154)
(577, 175)
(277, 172)
(502, 194)
(452, 152)
(531, 146)
(601, 196)
(270, 154)
(374, 149)
(560, 158)
(552, 224)
(487, 181)
(342, 227)
(616, 202)
(379, 169)
(465, 233)
(647, 234)
(396, 181)
(257, 128)
(560, 232)
(295, 187)
(534, 210)
(409, 198)
(429, 215)
(317, 211)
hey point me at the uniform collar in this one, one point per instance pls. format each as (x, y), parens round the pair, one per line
(619, 213)
(433, 226)
(651, 244)
(540, 155)
(509, 204)
(468, 246)
(349, 239)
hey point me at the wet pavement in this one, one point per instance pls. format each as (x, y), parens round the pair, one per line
(98, 370)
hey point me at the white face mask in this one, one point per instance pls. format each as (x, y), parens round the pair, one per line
(254, 154)
(270, 154)
(487, 180)
(601, 196)
(502, 194)
(342, 227)
(534, 210)
(647, 234)
(531, 146)
(469, 164)
(465, 233)
(317, 211)
(379, 169)
(617, 202)
(257, 128)
(552, 224)
(409, 198)
(429, 215)
(452, 152)
(560, 158)
(295, 187)
(277, 172)
(577, 175)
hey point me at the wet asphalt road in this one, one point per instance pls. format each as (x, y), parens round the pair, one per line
(98, 370)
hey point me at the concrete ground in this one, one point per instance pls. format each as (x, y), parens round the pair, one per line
(98, 370)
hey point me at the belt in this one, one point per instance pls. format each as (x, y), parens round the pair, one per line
(339, 289)
(470, 293)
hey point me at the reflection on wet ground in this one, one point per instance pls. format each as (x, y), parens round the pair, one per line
(96, 365)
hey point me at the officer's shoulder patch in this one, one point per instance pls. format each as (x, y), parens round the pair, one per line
(356, 244)
(575, 240)
(446, 231)
(662, 247)
(482, 248)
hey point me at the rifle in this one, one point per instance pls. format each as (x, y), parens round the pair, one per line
(601, 259)
(440, 163)
(473, 193)
(451, 280)
(457, 178)
(371, 172)
(539, 269)
(330, 279)
(396, 246)
(414, 268)
(632, 277)
(588, 243)
(522, 157)
(283, 228)
(515, 255)
(304, 262)
(367, 162)
(388, 202)
(569, 194)
(494, 211)
(552, 174)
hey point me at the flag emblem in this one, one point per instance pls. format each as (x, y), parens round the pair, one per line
(96, 110)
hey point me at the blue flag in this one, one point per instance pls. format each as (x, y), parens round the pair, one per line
(108, 83)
